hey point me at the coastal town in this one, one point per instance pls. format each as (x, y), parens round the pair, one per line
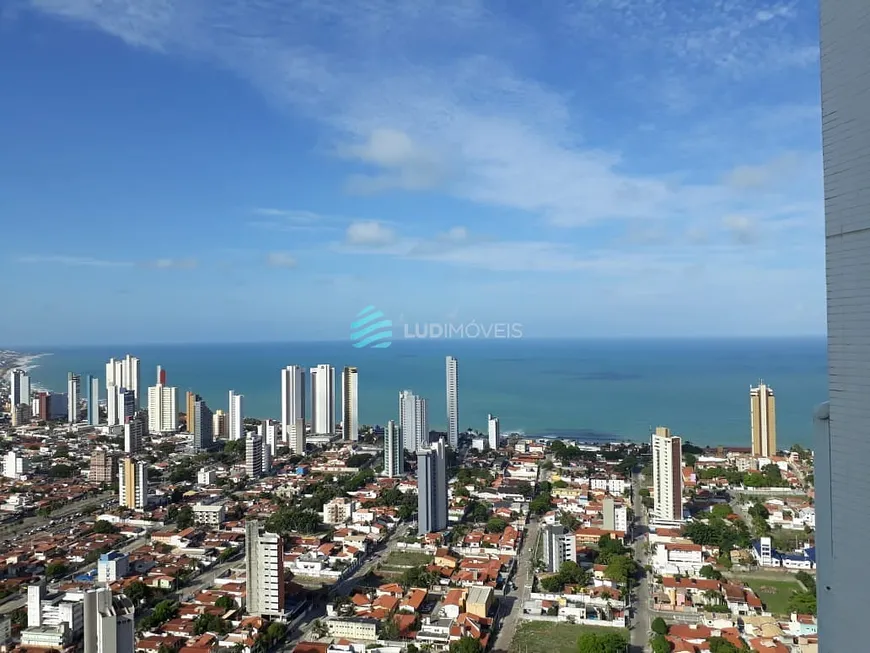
(134, 519)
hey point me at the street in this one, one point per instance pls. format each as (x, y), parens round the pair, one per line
(640, 622)
(511, 604)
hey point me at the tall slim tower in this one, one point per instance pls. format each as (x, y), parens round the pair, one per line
(19, 388)
(762, 416)
(132, 483)
(432, 488)
(667, 475)
(350, 404)
(452, 402)
(842, 446)
(264, 570)
(493, 431)
(190, 399)
(203, 425)
(394, 456)
(323, 399)
(236, 417)
(292, 401)
(108, 622)
(254, 456)
(74, 395)
(162, 409)
(413, 420)
(93, 400)
(297, 439)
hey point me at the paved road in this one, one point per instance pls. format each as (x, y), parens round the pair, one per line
(640, 623)
(511, 604)
(11, 530)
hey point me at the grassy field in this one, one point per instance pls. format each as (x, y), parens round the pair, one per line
(549, 637)
(407, 559)
(774, 593)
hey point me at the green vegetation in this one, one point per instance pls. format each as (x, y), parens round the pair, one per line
(293, 520)
(408, 559)
(466, 645)
(162, 612)
(659, 626)
(560, 637)
(496, 525)
(807, 580)
(418, 577)
(104, 527)
(570, 573)
(770, 476)
(707, 571)
(540, 504)
(722, 645)
(726, 535)
(404, 502)
(776, 594)
(659, 644)
(803, 602)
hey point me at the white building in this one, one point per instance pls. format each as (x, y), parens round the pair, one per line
(394, 456)
(134, 434)
(264, 570)
(842, 446)
(109, 622)
(15, 465)
(209, 514)
(254, 456)
(672, 558)
(162, 409)
(111, 566)
(350, 403)
(236, 417)
(268, 431)
(292, 403)
(297, 437)
(206, 476)
(120, 405)
(667, 475)
(338, 510)
(413, 420)
(452, 377)
(73, 397)
(323, 399)
(560, 546)
(125, 374)
(19, 388)
(493, 432)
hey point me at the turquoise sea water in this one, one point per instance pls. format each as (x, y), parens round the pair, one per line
(571, 388)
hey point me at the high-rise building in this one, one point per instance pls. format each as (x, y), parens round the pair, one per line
(394, 456)
(19, 388)
(452, 373)
(125, 374)
(162, 409)
(236, 416)
(268, 431)
(254, 456)
(73, 397)
(132, 483)
(297, 437)
(102, 467)
(21, 414)
(667, 475)
(219, 426)
(432, 488)
(350, 404)
(842, 425)
(190, 399)
(134, 434)
(560, 545)
(323, 399)
(413, 420)
(264, 570)
(292, 401)
(93, 391)
(493, 431)
(109, 622)
(120, 405)
(203, 435)
(762, 416)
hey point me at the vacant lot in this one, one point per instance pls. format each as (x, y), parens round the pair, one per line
(549, 637)
(407, 559)
(774, 593)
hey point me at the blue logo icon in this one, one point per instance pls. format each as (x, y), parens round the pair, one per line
(371, 329)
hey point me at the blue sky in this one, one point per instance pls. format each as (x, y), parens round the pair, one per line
(233, 170)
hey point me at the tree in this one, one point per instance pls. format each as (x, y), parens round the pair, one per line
(803, 603)
(417, 577)
(659, 627)
(721, 510)
(389, 629)
(104, 527)
(659, 644)
(707, 571)
(721, 645)
(691, 459)
(590, 642)
(137, 591)
(620, 569)
(496, 525)
(226, 602)
(540, 504)
(56, 570)
(209, 623)
(466, 645)
(184, 518)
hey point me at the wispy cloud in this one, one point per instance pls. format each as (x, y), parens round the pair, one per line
(281, 260)
(172, 263)
(75, 261)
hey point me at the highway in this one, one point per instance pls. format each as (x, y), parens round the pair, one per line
(640, 619)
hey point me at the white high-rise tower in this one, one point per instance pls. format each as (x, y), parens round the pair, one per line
(350, 404)
(292, 402)
(493, 431)
(19, 388)
(323, 399)
(125, 374)
(236, 417)
(74, 395)
(667, 475)
(452, 402)
(394, 456)
(413, 420)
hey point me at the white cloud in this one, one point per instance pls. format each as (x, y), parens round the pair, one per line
(173, 263)
(370, 234)
(281, 260)
(76, 261)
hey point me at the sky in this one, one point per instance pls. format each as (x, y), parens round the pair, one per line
(261, 170)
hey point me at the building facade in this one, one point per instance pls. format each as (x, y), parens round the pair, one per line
(322, 399)
(452, 378)
(236, 416)
(350, 403)
(394, 456)
(264, 567)
(432, 488)
(73, 397)
(762, 417)
(413, 420)
(667, 475)
(162, 409)
(132, 483)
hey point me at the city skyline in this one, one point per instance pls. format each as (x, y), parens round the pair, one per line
(451, 143)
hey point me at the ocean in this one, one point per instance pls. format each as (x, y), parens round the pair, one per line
(585, 389)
